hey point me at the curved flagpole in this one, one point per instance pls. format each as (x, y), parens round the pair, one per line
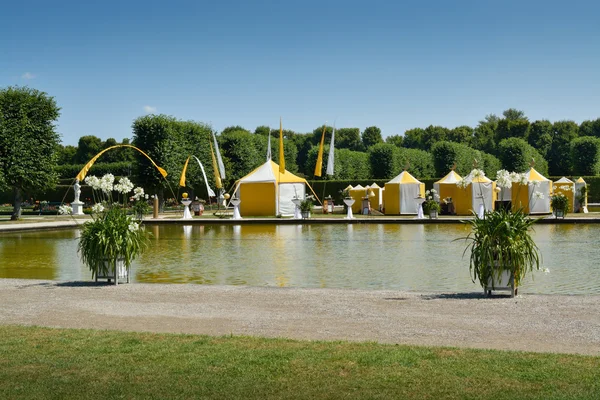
(81, 175)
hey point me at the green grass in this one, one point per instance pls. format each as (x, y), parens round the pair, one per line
(38, 363)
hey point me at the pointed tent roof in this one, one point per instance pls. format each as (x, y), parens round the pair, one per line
(564, 180)
(580, 180)
(533, 175)
(269, 172)
(349, 187)
(451, 177)
(481, 179)
(374, 185)
(404, 177)
(357, 187)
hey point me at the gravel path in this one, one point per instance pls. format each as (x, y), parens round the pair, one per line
(540, 323)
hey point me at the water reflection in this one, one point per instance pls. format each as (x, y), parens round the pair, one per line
(387, 256)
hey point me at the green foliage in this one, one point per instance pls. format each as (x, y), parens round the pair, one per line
(501, 241)
(446, 154)
(396, 140)
(348, 164)
(382, 160)
(432, 135)
(348, 138)
(99, 168)
(413, 138)
(512, 114)
(371, 136)
(461, 134)
(239, 148)
(87, 147)
(66, 155)
(109, 237)
(559, 162)
(421, 162)
(516, 155)
(509, 128)
(484, 136)
(559, 201)
(28, 141)
(540, 136)
(585, 155)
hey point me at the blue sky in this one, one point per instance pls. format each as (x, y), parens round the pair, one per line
(396, 65)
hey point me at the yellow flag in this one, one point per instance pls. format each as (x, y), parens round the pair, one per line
(182, 179)
(281, 154)
(218, 183)
(319, 165)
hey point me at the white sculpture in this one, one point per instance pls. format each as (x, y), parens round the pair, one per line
(77, 204)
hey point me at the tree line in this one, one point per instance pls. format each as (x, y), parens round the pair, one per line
(32, 157)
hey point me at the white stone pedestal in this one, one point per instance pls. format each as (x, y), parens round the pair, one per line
(77, 207)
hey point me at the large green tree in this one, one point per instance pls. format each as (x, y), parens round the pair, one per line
(371, 136)
(540, 136)
(559, 162)
(87, 147)
(585, 156)
(28, 142)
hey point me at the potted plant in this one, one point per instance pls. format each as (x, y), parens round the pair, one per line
(431, 206)
(306, 207)
(560, 205)
(502, 250)
(140, 203)
(112, 239)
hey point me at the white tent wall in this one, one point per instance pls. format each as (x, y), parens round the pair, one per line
(539, 206)
(578, 186)
(505, 194)
(436, 186)
(408, 195)
(482, 192)
(287, 191)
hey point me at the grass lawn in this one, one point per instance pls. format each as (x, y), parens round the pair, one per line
(63, 363)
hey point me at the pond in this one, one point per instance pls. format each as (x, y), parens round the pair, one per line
(366, 256)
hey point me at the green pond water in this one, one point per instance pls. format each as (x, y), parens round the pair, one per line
(386, 256)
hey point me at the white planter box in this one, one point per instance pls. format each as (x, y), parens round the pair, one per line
(504, 282)
(122, 273)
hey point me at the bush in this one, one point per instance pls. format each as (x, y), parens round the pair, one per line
(585, 155)
(516, 155)
(70, 171)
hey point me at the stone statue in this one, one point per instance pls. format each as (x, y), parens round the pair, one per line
(77, 189)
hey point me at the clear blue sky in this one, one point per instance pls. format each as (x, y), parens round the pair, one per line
(396, 65)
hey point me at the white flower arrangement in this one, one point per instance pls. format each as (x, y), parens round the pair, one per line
(65, 210)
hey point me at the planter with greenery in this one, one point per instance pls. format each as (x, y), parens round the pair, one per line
(306, 207)
(113, 239)
(431, 206)
(502, 250)
(560, 205)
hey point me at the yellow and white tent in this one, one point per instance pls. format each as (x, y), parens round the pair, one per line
(446, 187)
(528, 197)
(567, 187)
(265, 191)
(376, 201)
(400, 194)
(579, 184)
(480, 190)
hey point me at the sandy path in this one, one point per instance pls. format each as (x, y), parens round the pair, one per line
(541, 323)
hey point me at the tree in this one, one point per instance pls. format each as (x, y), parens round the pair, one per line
(432, 135)
(461, 134)
(382, 160)
(509, 127)
(28, 142)
(516, 155)
(421, 162)
(159, 137)
(413, 138)
(235, 128)
(87, 147)
(540, 136)
(484, 136)
(396, 140)
(66, 154)
(262, 130)
(590, 128)
(559, 162)
(512, 114)
(585, 156)
(371, 136)
(348, 138)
